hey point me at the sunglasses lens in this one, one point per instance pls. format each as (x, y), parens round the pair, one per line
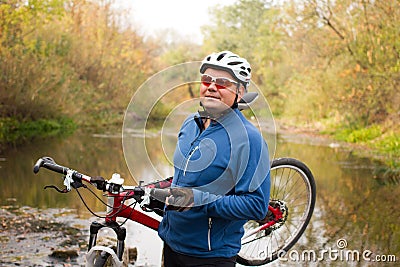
(223, 82)
(206, 79)
(219, 86)
(220, 83)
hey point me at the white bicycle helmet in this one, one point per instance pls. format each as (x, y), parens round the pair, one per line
(228, 61)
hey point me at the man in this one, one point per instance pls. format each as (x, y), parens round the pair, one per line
(221, 176)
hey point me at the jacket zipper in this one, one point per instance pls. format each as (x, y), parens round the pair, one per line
(209, 233)
(187, 161)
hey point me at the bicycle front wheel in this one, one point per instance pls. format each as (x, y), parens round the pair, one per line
(101, 256)
(103, 259)
(293, 190)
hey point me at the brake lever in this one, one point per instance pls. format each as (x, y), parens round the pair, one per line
(65, 190)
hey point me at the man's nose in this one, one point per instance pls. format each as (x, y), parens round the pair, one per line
(212, 87)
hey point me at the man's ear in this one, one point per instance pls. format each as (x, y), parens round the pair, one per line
(241, 92)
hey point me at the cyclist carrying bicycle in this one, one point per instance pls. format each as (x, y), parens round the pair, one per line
(221, 177)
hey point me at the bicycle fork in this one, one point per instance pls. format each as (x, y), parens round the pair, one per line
(120, 231)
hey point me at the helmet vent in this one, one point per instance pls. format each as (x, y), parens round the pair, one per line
(235, 63)
(221, 56)
(243, 73)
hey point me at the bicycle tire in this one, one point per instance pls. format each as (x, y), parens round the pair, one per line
(101, 259)
(101, 256)
(291, 179)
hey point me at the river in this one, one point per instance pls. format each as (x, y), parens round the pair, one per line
(354, 203)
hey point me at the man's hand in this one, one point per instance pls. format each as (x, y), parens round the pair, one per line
(181, 199)
(99, 181)
(176, 198)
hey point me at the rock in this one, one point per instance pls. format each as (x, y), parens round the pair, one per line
(64, 254)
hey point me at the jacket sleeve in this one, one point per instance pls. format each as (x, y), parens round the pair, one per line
(251, 193)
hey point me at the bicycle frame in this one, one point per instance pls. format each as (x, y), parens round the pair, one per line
(119, 209)
(116, 208)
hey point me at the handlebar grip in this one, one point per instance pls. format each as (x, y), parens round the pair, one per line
(49, 163)
(56, 168)
(39, 163)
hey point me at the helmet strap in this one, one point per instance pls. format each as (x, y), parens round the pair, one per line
(235, 102)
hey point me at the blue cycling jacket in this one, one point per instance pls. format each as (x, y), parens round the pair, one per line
(227, 166)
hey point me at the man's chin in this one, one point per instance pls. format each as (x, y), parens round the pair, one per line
(213, 105)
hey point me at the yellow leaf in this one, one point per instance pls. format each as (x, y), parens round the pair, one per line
(369, 55)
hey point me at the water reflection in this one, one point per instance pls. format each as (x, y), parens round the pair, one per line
(87, 153)
(351, 203)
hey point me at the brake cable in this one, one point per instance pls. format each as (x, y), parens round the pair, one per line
(120, 208)
(68, 181)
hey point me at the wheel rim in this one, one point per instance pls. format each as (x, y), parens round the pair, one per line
(290, 185)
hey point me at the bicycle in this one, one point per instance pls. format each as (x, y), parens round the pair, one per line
(292, 201)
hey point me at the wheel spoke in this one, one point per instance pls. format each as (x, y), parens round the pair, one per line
(293, 190)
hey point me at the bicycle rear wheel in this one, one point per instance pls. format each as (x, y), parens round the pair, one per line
(293, 189)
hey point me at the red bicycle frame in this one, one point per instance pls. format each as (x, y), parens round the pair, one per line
(119, 209)
(116, 206)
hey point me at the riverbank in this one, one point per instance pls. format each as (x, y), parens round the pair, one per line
(15, 131)
(47, 237)
(35, 237)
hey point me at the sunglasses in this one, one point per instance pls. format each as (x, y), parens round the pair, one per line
(220, 83)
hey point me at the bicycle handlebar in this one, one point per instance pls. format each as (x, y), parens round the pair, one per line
(72, 176)
(50, 164)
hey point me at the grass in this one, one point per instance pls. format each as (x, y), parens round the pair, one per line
(14, 131)
(390, 144)
(383, 145)
(383, 142)
(361, 135)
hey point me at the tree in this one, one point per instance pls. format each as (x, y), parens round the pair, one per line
(363, 35)
(69, 57)
(253, 30)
